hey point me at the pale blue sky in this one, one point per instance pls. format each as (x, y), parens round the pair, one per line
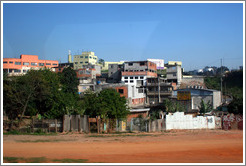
(197, 34)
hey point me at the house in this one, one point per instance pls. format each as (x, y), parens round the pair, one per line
(174, 72)
(135, 74)
(192, 97)
(19, 66)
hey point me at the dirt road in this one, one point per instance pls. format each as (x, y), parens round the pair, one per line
(197, 146)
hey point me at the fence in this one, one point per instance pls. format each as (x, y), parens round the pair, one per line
(76, 123)
(47, 125)
(232, 121)
(178, 120)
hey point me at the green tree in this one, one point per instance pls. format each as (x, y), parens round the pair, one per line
(236, 106)
(205, 107)
(69, 81)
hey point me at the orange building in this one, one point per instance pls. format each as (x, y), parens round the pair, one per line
(15, 66)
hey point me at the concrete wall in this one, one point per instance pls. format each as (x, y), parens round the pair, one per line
(216, 99)
(75, 123)
(196, 101)
(180, 121)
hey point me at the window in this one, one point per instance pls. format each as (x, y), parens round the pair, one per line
(126, 70)
(86, 62)
(90, 57)
(55, 64)
(131, 81)
(126, 77)
(41, 64)
(131, 77)
(24, 71)
(17, 63)
(130, 64)
(11, 62)
(126, 81)
(81, 62)
(136, 77)
(25, 63)
(50, 63)
(141, 77)
(17, 70)
(141, 70)
(142, 63)
(5, 61)
(81, 56)
(174, 74)
(86, 56)
(121, 91)
(34, 64)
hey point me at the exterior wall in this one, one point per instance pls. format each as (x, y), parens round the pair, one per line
(180, 121)
(114, 73)
(192, 82)
(216, 99)
(85, 58)
(25, 63)
(90, 73)
(196, 101)
(159, 63)
(174, 73)
(106, 64)
(175, 63)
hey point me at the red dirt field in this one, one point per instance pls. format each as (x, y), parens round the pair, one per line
(190, 146)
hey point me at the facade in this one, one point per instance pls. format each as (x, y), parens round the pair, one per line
(174, 72)
(61, 66)
(114, 73)
(85, 58)
(159, 63)
(197, 95)
(157, 89)
(15, 66)
(105, 65)
(135, 74)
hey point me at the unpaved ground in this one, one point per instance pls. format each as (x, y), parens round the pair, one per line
(191, 146)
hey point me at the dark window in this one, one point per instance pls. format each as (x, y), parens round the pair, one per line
(81, 62)
(10, 62)
(131, 81)
(126, 77)
(141, 77)
(76, 62)
(41, 64)
(25, 63)
(5, 61)
(131, 77)
(130, 64)
(86, 56)
(34, 64)
(17, 63)
(90, 57)
(81, 56)
(126, 81)
(136, 77)
(55, 64)
(86, 62)
(121, 91)
(17, 70)
(142, 63)
(50, 63)
(24, 71)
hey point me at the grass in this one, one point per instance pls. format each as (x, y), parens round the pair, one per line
(40, 160)
(25, 160)
(42, 140)
(15, 132)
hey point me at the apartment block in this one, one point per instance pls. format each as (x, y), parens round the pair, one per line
(105, 65)
(174, 72)
(114, 73)
(86, 58)
(19, 66)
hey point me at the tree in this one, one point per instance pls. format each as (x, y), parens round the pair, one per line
(100, 61)
(236, 106)
(205, 107)
(69, 81)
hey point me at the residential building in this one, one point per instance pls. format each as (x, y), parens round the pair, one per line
(19, 66)
(89, 71)
(158, 89)
(174, 72)
(114, 73)
(61, 66)
(197, 95)
(159, 63)
(105, 65)
(86, 58)
(135, 74)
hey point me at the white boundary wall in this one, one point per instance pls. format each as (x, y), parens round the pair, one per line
(180, 121)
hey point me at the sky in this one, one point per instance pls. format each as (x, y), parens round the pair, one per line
(198, 34)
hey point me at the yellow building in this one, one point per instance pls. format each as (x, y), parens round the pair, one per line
(179, 63)
(85, 58)
(105, 64)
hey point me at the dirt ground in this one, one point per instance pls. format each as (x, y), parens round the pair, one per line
(190, 146)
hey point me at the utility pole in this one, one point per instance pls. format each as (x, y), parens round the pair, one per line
(221, 82)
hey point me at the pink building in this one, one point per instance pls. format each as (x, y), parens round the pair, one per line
(15, 66)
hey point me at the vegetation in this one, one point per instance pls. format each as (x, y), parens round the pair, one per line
(232, 86)
(205, 107)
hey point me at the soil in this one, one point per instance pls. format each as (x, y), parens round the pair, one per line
(180, 146)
